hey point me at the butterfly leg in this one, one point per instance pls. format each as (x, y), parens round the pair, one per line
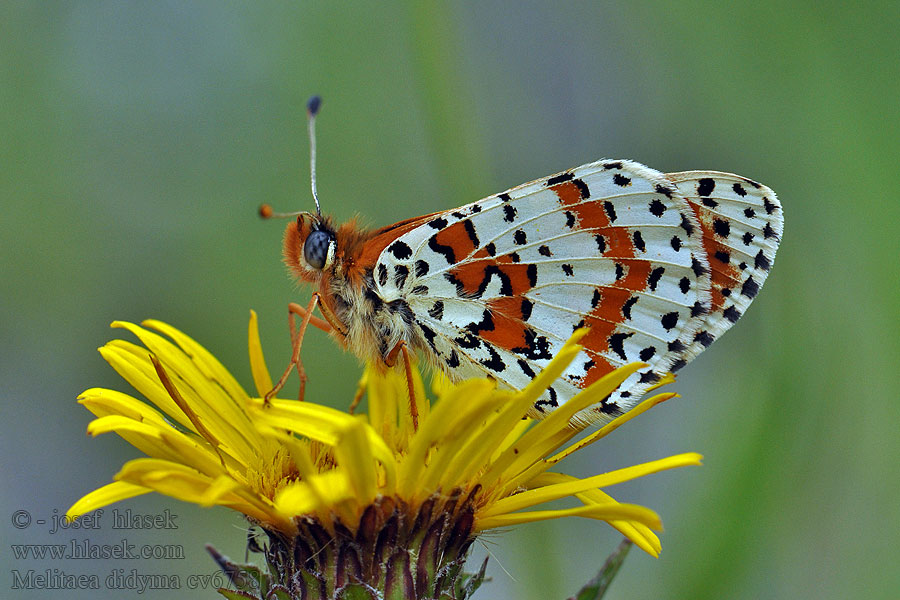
(315, 321)
(296, 342)
(391, 360)
(357, 397)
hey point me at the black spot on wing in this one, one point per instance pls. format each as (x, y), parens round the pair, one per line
(608, 407)
(610, 211)
(654, 277)
(657, 208)
(468, 341)
(446, 251)
(698, 309)
(582, 188)
(527, 307)
(676, 346)
(420, 290)
(768, 232)
(617, 343)
(490, 249)
(504, 197)
(647, 353)
(494, 363)
(749, 213)
(428, 334)
(421, 268)
(470, 231)
(490, 272)
(382, 274)
(561, 178)
(770, 207)
(739, 190)
(648, 377)
(705, 186)
(525, 368)
(761, 261)
(639, 241)
(723, 256)
(437, 310)
(676, 243)
(709, 202)
(721, 227)
(438, 223)
(544, 250)
(621, 181)
(486, 323)
(570, 219)
(751, 182)
(627, 306)
(747, 238)
(665, 191)
(687, 225)
(698, 268)
(612, 165)
(705, 338)
(568, 270)
(677, 365)
(509, 213)
(453, 360)
(601, 243)
(684, 285)
(400, 250)
(669, 320)
(537, 347)
(401, 272)
(750, 288)
(732, 314)
(519, 238)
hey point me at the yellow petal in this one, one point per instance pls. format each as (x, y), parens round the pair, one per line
(208, 364)
(441, 422)
(638, 533)
(602, 512)
(104, 496)
(103, 402)
(218, 411)
(613, 425)
(261, 377)
(354, 456)
(554, 492)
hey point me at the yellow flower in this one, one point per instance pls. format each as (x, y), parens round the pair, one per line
(290, 466)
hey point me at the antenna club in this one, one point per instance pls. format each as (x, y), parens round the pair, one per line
(312, 105)
(265, 211)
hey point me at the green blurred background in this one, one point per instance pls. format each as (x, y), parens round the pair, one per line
(137, 140)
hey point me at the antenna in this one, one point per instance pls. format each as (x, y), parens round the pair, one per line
(312, 108)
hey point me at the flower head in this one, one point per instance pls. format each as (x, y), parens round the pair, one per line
(309, 474)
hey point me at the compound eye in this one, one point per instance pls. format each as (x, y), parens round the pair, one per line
(318, 249)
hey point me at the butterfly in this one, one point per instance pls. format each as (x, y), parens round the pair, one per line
(656, 265)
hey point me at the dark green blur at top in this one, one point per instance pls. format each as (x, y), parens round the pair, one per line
(138, 139)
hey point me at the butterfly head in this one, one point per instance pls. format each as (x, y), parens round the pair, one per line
(310, 244)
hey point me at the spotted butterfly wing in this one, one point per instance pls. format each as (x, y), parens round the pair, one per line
(496, 287)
